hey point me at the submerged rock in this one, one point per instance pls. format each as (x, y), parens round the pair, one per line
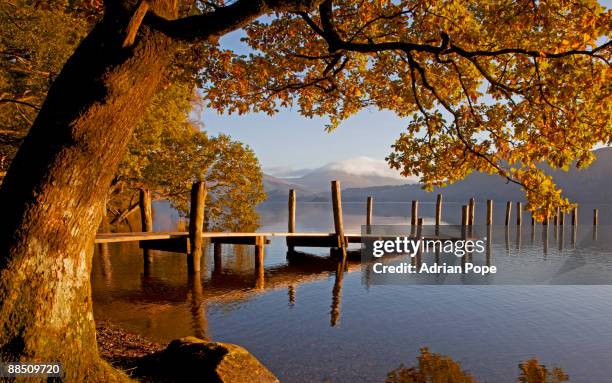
(195, 360)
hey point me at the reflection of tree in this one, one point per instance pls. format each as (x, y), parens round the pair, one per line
(436, 368)
(534, 372)
(431, 368)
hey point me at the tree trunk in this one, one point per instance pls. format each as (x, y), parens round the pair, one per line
(53, 198)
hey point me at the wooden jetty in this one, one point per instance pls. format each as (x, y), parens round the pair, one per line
(191, 242)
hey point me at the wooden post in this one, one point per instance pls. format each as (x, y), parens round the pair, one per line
(260, 242)
(508, 212)
(291, 218)
(415, 212)
(438, 209)
(337, 210)
(519, 214)
(369, 208)
(489, 212)
(595, 217)
(196, 226)
(561, 218)
(471, 209)
(532, 220)
(146, 222)
(575, 216)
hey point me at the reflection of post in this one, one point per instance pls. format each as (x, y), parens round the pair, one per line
(337, 294)
(260, 281)
(508, 212)
(489, 241)
(519, 230)
(146, 222)
(464, 221)
(574, 232)
(595, 223)
(197, 306)
(291, 218)
(217, 253)
(337, 210)
(196, 225)
(291, 293)
(545, 236)
(561, 238)
(438, 210)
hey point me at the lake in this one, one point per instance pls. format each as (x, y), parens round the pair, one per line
(309, 323)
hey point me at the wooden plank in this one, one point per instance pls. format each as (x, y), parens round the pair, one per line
(331, 240)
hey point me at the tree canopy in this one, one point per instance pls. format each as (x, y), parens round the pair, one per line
(168, 151)
(493, 86)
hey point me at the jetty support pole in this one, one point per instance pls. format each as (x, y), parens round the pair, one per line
(519, 214)
(337, 210)
(415, 212)
(146, 221)
(489, 212)
(369, 208)
(508, 212)
(471, 210)
(196, 226)
(291, 217)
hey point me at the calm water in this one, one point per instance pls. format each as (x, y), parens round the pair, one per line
(307, 323)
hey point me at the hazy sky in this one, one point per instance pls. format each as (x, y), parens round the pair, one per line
(289, 140)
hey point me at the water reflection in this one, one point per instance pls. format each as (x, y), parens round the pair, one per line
(310, 318)
(437, 368)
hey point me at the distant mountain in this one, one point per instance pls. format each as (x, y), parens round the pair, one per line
(590, 185)
(360, 172)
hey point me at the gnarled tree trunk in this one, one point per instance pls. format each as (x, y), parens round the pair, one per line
(53, 197)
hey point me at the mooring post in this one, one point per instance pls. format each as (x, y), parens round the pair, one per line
(337, 210)
(471, 210)
(575, 216)
(291, 218)
(146, 221)
(595, 217)
(489, 212)
(532, 220)
(415, 212)
(519, 214)
(561, 218)
(260, 242)
(438, 209)
(508, 212)
(369, 207)
(196, 226)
